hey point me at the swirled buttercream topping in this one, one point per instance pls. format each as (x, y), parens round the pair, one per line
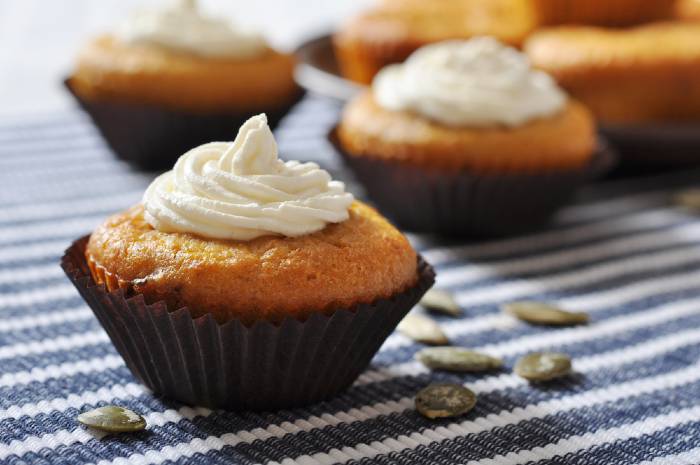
(183, 28)
(471, 83)
(241, 190)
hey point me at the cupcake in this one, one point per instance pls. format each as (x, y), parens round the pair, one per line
(465, 138)
(168, 80)
(688, 10)
(245, 282)
(390, 33)
(642, 84)
(601, 12)
(641, 75)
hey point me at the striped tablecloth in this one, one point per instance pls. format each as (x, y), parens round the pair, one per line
(624, 253)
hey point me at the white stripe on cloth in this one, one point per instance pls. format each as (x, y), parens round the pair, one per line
(61, 343)
(610, 359)
(92, 365)
(689, 457)
(46, 319)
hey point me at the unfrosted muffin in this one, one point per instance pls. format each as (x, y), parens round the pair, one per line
(465, 138)
(193, 78)
(600, 12)
(390, 33)
(246, 282)
(688, 10)
(646, 74)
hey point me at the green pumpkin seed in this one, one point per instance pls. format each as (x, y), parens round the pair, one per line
(689, 198)
(113, 419)
(422, 329)
(543, 366)
(457, 359)
(538, 313)
(444, 401)
(442, 302)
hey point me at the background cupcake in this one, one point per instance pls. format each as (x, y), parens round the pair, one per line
(641, 83)
(392, 31)
(168, 80)
(465, 138)
(246, 282)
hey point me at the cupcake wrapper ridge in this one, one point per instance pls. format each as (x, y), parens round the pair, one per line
(152, 138)
(259, 367)
(467, 204)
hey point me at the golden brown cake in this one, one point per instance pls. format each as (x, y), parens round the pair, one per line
(564, 141)
(268, 278)
(389, 34)
(647, 74)
(688, 10)
(108, 70)
(600, 12)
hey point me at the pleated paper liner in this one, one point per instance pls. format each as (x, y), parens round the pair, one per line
(265, 366)
(663, 145)
(152, 138)
(466, 204)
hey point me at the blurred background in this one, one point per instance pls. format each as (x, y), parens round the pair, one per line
(39, 39)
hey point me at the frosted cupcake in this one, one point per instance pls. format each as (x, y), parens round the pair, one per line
(176, 78)
(466, 138)
(246, 282)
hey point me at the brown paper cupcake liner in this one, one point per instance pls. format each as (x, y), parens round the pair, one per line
(656, 145)
(467, 204)
(152, 138)
(264, 366)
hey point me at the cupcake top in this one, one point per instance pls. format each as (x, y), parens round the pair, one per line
(241, 190)
(469, 83)
(181, 27)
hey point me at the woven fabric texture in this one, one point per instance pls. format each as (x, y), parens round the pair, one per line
(624, 253)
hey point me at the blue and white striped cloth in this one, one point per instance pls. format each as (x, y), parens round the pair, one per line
(624, 254)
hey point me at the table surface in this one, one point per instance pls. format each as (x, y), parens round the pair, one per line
(623, 252)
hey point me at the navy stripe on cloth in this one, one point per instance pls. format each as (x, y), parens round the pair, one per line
(623, 252)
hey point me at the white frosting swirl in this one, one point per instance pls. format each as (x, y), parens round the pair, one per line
(469, 83)
(182, 28)
(241, 190)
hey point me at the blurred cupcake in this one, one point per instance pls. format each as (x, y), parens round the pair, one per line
(390, 33)
(465, 138)
(688, 10)
(246, 282)
(646, 74)
(168, 80)
(601, 12)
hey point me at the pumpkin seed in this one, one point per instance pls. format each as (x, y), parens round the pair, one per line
(538, 313)
(457, 359)
(422, 329)
(444, 401)
(113, 419)
(441, 302)
(689, 198)
(543, 366)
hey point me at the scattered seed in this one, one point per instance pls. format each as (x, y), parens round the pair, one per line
(538, 313)
(457, 359)
(441, 302)
(543, 366)
(113, 419)
(688, 198)
(422, 329)
(444, 401)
